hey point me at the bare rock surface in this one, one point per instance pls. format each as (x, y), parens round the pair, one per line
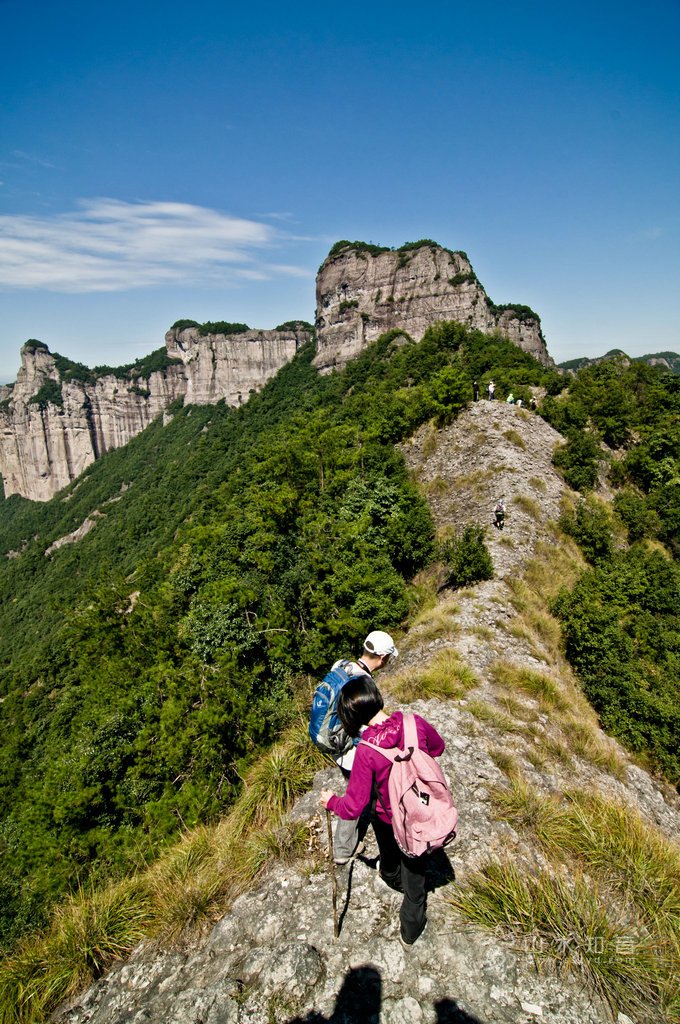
(44, 446)
(360, 294)
(273, 956)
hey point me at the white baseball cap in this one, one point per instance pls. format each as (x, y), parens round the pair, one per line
(380, 644)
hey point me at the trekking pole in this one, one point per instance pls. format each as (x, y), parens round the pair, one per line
(334, 880)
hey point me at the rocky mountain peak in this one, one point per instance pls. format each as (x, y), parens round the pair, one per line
(364, 290)
(59, 416)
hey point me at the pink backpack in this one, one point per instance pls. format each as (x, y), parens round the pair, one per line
(424, 817)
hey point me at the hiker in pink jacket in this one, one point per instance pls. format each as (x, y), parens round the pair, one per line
(360, 708)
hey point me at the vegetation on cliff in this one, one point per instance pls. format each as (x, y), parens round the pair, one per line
(71, 371)
(377, 250)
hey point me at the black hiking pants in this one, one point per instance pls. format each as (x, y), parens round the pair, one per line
(407, 875)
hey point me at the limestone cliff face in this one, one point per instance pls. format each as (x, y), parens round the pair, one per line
(53, 425)
(51, 430)
(219, 366)
(361, 293)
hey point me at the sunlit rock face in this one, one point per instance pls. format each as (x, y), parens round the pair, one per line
(51, 430)
(361, 293)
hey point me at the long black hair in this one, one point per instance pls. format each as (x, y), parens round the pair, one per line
(358, 701)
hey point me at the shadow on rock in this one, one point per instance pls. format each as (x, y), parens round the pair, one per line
(359, 1000)
(439, 871)
(449, 1012)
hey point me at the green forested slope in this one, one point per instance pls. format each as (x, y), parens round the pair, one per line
(621, 623)
(143, 667)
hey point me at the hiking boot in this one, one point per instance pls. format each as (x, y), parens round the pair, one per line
(358, 850)
(408, 945)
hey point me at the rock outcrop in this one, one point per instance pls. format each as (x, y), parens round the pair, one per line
(363, 291)
(52, 428)
(54, 423)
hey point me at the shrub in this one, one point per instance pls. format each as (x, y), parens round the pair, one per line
(467, 558)
(222, 327)
(295, 325)
(634, 512)
(590, 525)
(578, 460)
(180, 325)
(448, 393)
(48, 394)
(520, 312)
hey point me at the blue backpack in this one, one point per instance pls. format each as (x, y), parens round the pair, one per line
(325, 728)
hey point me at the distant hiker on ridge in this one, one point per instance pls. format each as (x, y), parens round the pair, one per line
(499, 513)
(327, 732)
(475, 391)
(492, 390)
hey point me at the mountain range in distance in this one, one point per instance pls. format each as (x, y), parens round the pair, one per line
(669, 360)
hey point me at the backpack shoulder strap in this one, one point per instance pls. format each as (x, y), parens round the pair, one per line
(410, 732)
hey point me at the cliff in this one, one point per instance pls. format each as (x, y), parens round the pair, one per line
(363, 291)
(59, 417)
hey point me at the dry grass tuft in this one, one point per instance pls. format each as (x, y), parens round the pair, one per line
(438, 486)
(589, 743)
(528, 505)
(489, 713)
(445, 677)
(436, 621)
(611, 839)
(505, 761)
(515, 438)
(543, 688)
(619, 925)
(569, 923)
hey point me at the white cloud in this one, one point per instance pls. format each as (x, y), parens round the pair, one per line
(108, 245)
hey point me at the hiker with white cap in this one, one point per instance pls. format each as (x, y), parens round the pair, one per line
(326, 731)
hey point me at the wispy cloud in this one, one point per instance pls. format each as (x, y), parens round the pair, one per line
(108, 245)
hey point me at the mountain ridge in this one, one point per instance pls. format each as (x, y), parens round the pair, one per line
(272, 955)
(668, 360)
(60, 416)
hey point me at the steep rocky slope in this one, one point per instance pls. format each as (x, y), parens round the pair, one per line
(45, 443)
(361, 293)
(273, 956)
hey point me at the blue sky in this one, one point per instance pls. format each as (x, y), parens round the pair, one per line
(169, 160)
